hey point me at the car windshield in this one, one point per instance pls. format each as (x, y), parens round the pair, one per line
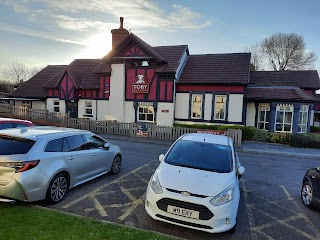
(200, 155)
(13, 145)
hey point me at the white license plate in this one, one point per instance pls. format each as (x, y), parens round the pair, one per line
(183, 212)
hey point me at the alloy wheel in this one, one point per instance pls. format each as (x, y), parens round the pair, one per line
(58, 189)
(306, 194)
(116, 164)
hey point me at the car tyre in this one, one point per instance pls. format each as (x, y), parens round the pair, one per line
(116, 165)
(307, 195)
(57, 189)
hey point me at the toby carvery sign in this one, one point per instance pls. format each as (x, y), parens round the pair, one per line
(140, 86)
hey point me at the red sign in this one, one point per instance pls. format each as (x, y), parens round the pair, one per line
(140, 87)
(216, 132)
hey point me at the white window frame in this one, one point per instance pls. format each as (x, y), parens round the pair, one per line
(56, 104)
(285, 108)
(147, 111)
(88, 110)
(196, 106)
(303, 119)
(263, 107)
(217, 104)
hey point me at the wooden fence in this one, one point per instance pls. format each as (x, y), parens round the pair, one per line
(151, 131)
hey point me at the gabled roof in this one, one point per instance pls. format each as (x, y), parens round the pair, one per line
(279, 93)
(230, 68)
(172, 55)
(128, 40)
(308, 79)
(81, 72)
(33, 87)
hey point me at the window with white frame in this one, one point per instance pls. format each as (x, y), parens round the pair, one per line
(56, 106)
(284, 117)
(303, 119)
(88, 108)
(196, 108)
(263, 116)
(145, 113)
(220, 107)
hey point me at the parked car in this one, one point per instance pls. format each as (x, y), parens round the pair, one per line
(197, 184)
(310, 191)
(14, 123)
(44, 162)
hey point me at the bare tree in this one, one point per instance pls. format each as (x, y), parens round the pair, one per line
(17, 72)
(287, 52)
(256, 63)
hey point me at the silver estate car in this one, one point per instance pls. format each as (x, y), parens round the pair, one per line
(39, 163)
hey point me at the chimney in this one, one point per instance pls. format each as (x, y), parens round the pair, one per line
(118, 34)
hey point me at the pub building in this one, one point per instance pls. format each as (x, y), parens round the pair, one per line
(136, 82)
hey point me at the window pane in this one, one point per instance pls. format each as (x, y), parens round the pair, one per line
(54, 146)
(267, 116)
(56, 109)
(140, 110)
(262, 114)
(279, 117)
(288, 117)
(266, 126)
(88, 104)
(150, 117)
(76, 143)
(287, 128)
(261, 125)
(299, 128)
(279, 127)
(92, 142)
(10, 145)
(88, 111)
(142, 117)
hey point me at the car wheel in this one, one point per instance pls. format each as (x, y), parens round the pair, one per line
(116, 165)
(307, 194)
(57, 189)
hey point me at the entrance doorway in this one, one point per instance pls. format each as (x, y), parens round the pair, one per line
(72, 109)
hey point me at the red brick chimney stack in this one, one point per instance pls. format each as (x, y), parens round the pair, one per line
(119, 34)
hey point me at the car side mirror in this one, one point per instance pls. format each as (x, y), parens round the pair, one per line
(161, 157)
(240, 171)
(106, 146)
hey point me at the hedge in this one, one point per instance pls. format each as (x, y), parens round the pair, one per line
(254, 134)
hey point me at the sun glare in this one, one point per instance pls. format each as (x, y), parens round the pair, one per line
(97, 47)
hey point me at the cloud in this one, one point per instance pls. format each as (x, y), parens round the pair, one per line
(83, 15)
(40, 34)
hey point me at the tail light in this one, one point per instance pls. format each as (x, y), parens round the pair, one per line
(20, 166)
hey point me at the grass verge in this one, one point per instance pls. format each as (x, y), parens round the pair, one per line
(25, 221)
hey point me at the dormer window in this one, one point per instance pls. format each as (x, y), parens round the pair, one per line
(144, 64)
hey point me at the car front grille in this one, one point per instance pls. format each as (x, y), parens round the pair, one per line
(191, 194)
(183, 222)
(204, 212)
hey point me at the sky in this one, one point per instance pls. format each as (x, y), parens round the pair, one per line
(47, 32)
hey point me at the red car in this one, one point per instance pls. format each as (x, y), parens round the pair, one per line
(14, 123)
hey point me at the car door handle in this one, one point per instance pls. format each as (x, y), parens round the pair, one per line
(71, 158)
(94, 154)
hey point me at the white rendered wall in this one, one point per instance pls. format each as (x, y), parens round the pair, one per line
(82, 108)
(38, 105)
(251, 114)
(208, 107)
(182, 106)
(103, 110)
(165, 118)
(117, 91)
(129, 112)
(50, 106)
(235, 107)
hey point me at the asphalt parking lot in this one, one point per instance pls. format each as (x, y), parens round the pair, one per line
(270, 206)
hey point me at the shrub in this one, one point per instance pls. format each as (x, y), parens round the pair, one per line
(314, 129)
(304, 141)
(282, 138)
(261, 136)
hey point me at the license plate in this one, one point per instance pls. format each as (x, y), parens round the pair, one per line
(183, 212)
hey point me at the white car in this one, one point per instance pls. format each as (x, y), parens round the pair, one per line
(44, 162)
(197, 184)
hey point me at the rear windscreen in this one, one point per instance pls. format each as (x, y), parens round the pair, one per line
(10, 145)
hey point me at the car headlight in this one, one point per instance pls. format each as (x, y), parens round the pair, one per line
(223, 197)
(155, 184)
